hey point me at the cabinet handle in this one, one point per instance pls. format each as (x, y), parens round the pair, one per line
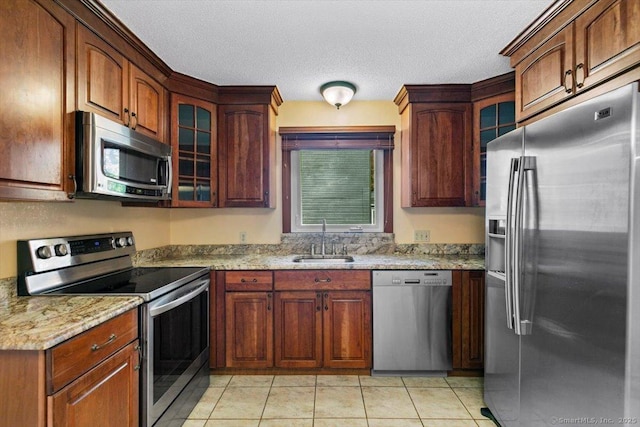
(326, 302)
(327, 280)
(266, 199)
(580, 82)
(126, 112)
(75, 187)
(268, 302)
(214, 200)
(97, 347)
(133, 116)
(567, 74)
(318, 301)
(138, 348)
(243, 280)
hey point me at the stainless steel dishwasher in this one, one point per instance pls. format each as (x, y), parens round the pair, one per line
(411, 322)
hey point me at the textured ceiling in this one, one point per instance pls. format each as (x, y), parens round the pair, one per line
(298, 45)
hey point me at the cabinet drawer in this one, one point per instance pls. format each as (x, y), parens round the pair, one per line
(323, 280)
(248, 280)
(72, 358)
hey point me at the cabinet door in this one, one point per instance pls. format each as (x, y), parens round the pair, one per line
(36, 86)
(492, 117)
(440, 148)
(472, 313)
(546, 76)
(147, 104)
(102, 79)
(106, 396)
(194, 145)
(249, 329)
(245, 152)
(347, 329)
(607, 41)
(298, 329)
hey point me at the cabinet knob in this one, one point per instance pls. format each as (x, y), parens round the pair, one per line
(126, 112)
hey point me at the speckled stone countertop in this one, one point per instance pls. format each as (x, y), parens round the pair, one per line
(39, 323)
(285, 262)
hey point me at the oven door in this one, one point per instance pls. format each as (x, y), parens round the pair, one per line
(176, 333)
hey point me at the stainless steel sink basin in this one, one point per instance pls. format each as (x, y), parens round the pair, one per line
(323, 259)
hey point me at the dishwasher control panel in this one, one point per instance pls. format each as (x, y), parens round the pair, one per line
(412, 277)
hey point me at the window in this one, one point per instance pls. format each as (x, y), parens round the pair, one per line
(340, 175)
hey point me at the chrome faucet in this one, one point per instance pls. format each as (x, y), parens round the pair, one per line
(324, 231)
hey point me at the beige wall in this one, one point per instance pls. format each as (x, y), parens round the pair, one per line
(447, 225)
(21, 220)
(158, 227)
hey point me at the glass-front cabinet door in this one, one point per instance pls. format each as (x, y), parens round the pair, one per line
(193, 141)
(493, 117)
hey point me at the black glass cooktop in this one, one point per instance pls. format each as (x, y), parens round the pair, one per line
(147, 282)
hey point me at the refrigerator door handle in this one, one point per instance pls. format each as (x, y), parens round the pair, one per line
(526, 165)
(509, 233)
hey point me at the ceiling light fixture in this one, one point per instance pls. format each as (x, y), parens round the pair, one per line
(337, 93)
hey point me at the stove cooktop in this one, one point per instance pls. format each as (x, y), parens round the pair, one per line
(146, 282)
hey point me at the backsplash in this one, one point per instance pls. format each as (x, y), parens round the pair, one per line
(300, 243)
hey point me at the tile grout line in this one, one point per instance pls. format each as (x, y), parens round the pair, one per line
(412, 402)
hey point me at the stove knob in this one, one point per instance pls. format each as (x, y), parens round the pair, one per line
(61, 249)
(130, 241)
(44, 252)
(121, 242)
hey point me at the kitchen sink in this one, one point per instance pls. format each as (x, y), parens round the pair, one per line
(323, 259)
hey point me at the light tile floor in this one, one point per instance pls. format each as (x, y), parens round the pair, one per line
(339, 401)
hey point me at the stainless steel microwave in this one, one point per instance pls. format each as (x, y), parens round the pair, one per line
(117, 163)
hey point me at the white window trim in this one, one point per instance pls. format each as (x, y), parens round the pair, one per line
(297, 227)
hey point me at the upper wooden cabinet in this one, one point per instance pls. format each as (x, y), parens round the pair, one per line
(246, 146)
(110, 85)
(37, 87)
(436, 145)
(195, 152)
(572, 47)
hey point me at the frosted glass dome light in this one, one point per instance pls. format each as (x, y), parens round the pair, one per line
(338, 93)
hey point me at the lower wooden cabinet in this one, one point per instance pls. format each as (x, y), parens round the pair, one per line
(105, 396)
(468, 319)
(299, 326)
(249, 329)
(89, 380)
(330, 329)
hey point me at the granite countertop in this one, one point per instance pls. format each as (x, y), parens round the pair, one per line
(285, 262)
(41, 322)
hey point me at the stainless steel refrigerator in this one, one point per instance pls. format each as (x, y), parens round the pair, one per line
(562, 327)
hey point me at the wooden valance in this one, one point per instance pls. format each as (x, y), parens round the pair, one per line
(332, 137)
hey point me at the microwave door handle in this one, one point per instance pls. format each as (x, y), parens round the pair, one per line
(170, 169)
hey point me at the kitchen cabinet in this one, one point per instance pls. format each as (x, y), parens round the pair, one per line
(195, 152)
(571, 49)
(248, 319)
(112, 86)
(436, 145)
(323, 318)
(91, 379)
(298, 329)
(468, 320)
(246, 146)
(297, 319)
(492, 117)
(37, 86)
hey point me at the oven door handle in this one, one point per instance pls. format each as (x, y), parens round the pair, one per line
(159, 309)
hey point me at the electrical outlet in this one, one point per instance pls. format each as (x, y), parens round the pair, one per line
(243, 237)
(421, 235)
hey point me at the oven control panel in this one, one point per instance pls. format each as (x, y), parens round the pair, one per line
(38, 255)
